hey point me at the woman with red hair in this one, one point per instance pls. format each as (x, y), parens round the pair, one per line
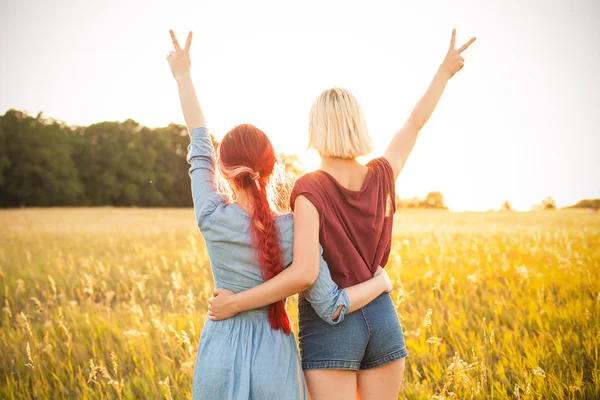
(254, 354)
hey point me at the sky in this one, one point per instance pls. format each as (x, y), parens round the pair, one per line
(520, 122)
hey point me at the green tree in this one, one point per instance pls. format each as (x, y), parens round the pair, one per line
(5, 162)
(46, 163)
(172, 176)
(36, 162)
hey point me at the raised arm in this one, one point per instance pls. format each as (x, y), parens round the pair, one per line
(201, 153)
(403, 142)
(308, 273)
(180, 63)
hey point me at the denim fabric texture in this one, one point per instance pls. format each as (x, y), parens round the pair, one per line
(368, 338)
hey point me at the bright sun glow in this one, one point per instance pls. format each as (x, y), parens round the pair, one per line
(516, 124)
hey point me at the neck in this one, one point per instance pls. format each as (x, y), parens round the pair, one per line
(332, 162)
(244, 200)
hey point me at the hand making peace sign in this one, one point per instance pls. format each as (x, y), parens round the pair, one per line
(179, 60)
(453, 62)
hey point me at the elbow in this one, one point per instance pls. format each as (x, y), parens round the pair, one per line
(306, 278)
(306, 282)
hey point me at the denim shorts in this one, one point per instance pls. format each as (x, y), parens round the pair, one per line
(367, 338)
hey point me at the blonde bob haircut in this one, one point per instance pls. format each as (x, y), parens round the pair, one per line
(337, 126)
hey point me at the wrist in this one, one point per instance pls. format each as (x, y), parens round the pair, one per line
(186, 77)
(236, 304)
(443, 74)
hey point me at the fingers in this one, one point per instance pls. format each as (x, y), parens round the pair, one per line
(211, 313)
(174, 40)
(453, 39)
(466, 45)
(188, 42)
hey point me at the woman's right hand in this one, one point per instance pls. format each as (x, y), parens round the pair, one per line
(179, 60)
(386, 282)
(222, 305)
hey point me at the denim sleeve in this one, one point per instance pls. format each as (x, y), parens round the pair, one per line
(201, 156)
(325, 297)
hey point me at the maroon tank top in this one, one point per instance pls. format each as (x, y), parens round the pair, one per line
(355, 226)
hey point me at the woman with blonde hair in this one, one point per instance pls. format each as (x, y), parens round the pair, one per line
(348, 207)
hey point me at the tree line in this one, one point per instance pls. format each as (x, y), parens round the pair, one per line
(44, 162)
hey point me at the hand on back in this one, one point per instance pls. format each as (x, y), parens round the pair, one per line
(221, 305)
(179, 59)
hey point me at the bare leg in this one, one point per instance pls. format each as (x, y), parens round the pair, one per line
(331, 384)
(383, 383)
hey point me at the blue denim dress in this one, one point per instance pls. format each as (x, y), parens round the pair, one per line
(242, 357)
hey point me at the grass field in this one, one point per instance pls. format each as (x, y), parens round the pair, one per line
(109, 303)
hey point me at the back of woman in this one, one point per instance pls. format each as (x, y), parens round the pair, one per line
(354, 205)
(254, 354)
(243, 357)
(364, 353)
(355, 227)
(236, 356)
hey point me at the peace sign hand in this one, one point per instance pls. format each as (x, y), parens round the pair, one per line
(179, 60)
(453, 62)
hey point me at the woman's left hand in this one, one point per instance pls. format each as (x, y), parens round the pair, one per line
(222, 305)
(454, 62)
(179, 59)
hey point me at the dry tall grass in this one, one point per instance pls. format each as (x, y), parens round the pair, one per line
(109, 303)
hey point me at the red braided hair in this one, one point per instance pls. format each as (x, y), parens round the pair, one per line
(247, 160)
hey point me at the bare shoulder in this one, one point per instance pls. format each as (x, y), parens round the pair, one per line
(308, 179)
(380, 165)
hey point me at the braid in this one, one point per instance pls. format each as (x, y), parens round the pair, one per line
(265, 234)
(247, 161)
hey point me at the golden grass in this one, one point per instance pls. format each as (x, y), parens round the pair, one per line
(109, 303)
